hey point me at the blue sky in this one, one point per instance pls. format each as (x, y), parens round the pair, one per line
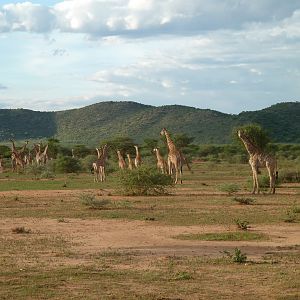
(229, 55)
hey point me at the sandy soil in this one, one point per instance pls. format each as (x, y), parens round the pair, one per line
(93, 236)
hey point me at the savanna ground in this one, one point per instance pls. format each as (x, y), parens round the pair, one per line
(55, 244)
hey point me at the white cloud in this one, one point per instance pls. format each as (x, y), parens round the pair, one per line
(149, 17)
(26, 16)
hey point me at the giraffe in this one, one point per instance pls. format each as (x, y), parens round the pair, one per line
(41, 157)
(99, 152)
(122, 163)
(174, 156)
(138, 158)
(161, 163)
(1, 165)
(17, 157)
(130, 165)
(99, 164)
(259, 159)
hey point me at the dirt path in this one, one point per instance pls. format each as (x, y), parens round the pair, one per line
(94, 236)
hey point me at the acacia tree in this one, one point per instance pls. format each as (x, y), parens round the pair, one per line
(256, 134)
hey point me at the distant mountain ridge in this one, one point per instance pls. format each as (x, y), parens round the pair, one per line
(91, 124)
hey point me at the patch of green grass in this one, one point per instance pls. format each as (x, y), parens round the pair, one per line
(224, 236)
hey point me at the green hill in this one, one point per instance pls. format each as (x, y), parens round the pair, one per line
(93, 123)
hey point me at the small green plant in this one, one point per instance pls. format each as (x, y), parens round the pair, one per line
(21, 230)
(290, 216)
(295, 208)
(62, 220)
(237, 256)
(93, 203)
(144, 181)
(183, 275)
(242, 224)
(242, 200)
(229, 188)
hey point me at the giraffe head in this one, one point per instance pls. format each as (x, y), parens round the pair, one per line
(163, 131)
(241, 134)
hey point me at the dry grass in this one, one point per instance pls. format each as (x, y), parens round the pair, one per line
(59, 261)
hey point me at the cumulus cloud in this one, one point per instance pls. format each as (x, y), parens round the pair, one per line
(149, 17)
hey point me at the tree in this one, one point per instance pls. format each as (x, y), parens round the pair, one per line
(255, 133)
(67, 164)
(124, 144)
(81, 151)
(182, 140)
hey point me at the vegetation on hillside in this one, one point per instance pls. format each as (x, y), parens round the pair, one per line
(106, 120)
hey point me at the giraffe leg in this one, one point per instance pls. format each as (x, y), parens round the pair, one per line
(272, 179)
(176, 175)
(255, 180)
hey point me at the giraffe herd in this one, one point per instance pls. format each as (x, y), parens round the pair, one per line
(172, 165)
(22, 157)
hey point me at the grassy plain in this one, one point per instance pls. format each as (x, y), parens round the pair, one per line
(175, 246)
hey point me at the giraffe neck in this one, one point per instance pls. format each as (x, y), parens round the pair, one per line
(250, 147)
(137, 151)
(158, 155)
(23, 148)
(45, 150)
(14, 149)
(171, 145)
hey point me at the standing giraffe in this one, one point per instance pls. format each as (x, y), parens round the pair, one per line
(259, 159)
(138, 158)
(17, 157)
(130, 164)
(161, 163)
(122, 163)
(99, 164)
(41, 157)
(1, 165)
(174, 156)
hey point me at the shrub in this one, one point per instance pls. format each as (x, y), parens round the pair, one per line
(242, 224)
(144, 181)
(93, 203)
(290, 177)
(47, 174)
(35, 170)
(67, 164)
(241, 200)
(21, 230)
(290, 216)
(263, 181)
(238, 256)
(229, 188)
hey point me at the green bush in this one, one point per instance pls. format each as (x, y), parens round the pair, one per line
(242, 224)
(67, 164)
(144, 181)
(289, 176)
(238, 256)
(242, 200)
